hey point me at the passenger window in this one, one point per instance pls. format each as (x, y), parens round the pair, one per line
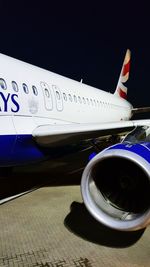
(83, 100)
(75, 98)
(15, 86)
(25, 88)
(58, 95)
(47, 94)
(91, 101)
(35, 91)
(70, 97)
(3, 84)
(64, 96)
(79, 98)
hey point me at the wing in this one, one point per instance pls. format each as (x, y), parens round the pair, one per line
(60, 135)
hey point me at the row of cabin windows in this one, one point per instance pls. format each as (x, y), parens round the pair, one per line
(15, 87)
(71, 98)
(81, 100)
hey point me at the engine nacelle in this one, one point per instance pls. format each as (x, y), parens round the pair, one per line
(116, 186)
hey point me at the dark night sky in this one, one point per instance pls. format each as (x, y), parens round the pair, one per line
(81, 40)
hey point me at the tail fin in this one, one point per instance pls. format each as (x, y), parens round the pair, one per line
(121, 89)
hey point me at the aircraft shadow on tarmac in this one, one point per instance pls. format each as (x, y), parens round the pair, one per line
(81, 223)
(15, 183)
(78, 221)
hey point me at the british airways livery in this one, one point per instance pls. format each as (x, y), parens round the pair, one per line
(44, 115)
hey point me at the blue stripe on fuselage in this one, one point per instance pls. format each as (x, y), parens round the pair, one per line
(22, 149)
(18, 150)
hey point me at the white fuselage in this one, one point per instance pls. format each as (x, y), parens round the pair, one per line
(55, 100)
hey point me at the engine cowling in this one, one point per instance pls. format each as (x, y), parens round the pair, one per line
(115, 186)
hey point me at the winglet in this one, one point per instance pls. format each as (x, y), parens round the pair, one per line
(121, 89)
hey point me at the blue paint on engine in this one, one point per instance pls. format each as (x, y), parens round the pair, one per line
(92, 155)
(141, 149)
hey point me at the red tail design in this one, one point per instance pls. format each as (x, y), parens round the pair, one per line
(121, 89)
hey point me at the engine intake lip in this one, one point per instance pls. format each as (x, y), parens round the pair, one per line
(96, 203)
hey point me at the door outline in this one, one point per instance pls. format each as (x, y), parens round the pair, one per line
(48, 99)
(58, 98)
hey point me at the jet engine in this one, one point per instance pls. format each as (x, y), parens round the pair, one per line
(115, 186)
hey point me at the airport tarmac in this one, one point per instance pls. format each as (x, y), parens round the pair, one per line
(51, 227)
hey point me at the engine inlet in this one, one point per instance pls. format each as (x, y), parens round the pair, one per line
(116, 190)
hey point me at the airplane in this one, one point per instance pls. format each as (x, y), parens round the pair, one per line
(44, 115)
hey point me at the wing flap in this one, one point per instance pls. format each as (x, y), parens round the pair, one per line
(60, 135)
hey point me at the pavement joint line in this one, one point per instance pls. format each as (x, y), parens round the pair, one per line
(7, 199)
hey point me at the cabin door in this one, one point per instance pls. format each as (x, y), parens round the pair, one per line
(48, 101)
(58, 98)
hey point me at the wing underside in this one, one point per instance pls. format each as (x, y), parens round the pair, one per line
(60, 135)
